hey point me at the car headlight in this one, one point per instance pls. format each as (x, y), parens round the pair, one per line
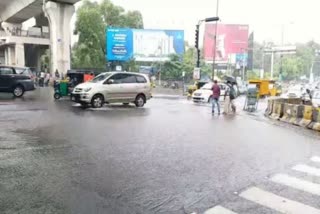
(87, 89)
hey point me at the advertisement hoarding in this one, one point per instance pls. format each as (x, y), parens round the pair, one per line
(119, 44)
(232, 40)
(143, 45)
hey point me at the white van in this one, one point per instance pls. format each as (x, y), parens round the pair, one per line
(114, 87)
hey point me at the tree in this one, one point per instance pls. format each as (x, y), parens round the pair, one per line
(172, 69)
(295, 66)
(92, 20)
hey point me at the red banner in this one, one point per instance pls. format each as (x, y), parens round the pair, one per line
(231, 40)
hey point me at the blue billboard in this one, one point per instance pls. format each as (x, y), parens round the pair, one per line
(119, 44)
(143, 45)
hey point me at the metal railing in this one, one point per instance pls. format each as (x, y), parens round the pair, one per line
(25, 33)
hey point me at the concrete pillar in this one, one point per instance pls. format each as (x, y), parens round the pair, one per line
(2, 56)
(6, 56)
(19, 55)
(10, 52)
(59, 16)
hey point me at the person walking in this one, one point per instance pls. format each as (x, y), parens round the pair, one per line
(216, 91)
(57, 74)
(42, 76)
(229, 97)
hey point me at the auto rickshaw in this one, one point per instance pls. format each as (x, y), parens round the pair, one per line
(267, 87)
(197, 85)
(73, 78)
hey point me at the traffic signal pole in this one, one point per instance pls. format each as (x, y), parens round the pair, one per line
(197, 45)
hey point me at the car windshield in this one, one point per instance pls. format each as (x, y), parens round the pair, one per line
(207, 86)
(100, 77)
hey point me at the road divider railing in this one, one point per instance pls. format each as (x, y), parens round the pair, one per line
(277, 110)
(297, 114)
(287, 113)
(268, 111)
(315, 121)
(307, 116)
(294, 112)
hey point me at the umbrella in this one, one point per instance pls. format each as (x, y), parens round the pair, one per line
(230, 79)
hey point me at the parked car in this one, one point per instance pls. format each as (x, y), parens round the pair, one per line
(114, 87)
(16, 80)
(204, 94)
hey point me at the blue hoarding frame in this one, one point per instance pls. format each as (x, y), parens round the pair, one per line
(120, 47)
(119, 44)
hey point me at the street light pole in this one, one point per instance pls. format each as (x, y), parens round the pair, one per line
(215, 41)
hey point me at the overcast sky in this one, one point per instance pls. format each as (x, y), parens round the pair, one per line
(298, 19)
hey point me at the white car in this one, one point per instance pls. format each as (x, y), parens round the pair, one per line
(114, 87)
(316, 99)
(293, 92)
(204, 94)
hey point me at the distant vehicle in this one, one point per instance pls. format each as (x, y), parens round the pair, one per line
(16, 80)
(316, 99)
(204, 94)
(242, 89)
(293, 92)
(114, 87)
(197, 85)
(267, 87)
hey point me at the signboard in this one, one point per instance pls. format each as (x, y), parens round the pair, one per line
(143, 45)
(242, 59)
(119, 44)
(118, 68)
(196, 74)
(281, 50)
(231, 40)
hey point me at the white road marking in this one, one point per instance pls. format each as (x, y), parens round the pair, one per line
(315, 159)
(297, 183)
(219, 210)
(276, 202)
(307, 169)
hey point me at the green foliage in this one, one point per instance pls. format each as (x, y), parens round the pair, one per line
(173, 68)
(295, 66)
(292, 66)
(92, 20)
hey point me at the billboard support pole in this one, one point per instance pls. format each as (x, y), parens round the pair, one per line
(160, 75)
(215, 41)
(272, 59)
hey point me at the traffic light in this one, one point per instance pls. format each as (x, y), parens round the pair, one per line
(196, 44)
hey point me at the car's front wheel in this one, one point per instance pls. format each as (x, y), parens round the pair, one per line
(140, 101)
(97, 101)
(18, 91)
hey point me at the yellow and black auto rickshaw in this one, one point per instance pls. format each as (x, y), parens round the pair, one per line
(267, 87)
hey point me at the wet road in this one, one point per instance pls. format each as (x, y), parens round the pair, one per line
(170, 157)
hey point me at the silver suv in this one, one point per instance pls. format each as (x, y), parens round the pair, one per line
(114, 87)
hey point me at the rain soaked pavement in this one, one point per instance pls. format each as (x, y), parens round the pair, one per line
(170, 157)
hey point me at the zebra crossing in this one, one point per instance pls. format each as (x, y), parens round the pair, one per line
(273, 201)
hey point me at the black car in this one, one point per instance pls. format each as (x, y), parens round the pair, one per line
(16, 80)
